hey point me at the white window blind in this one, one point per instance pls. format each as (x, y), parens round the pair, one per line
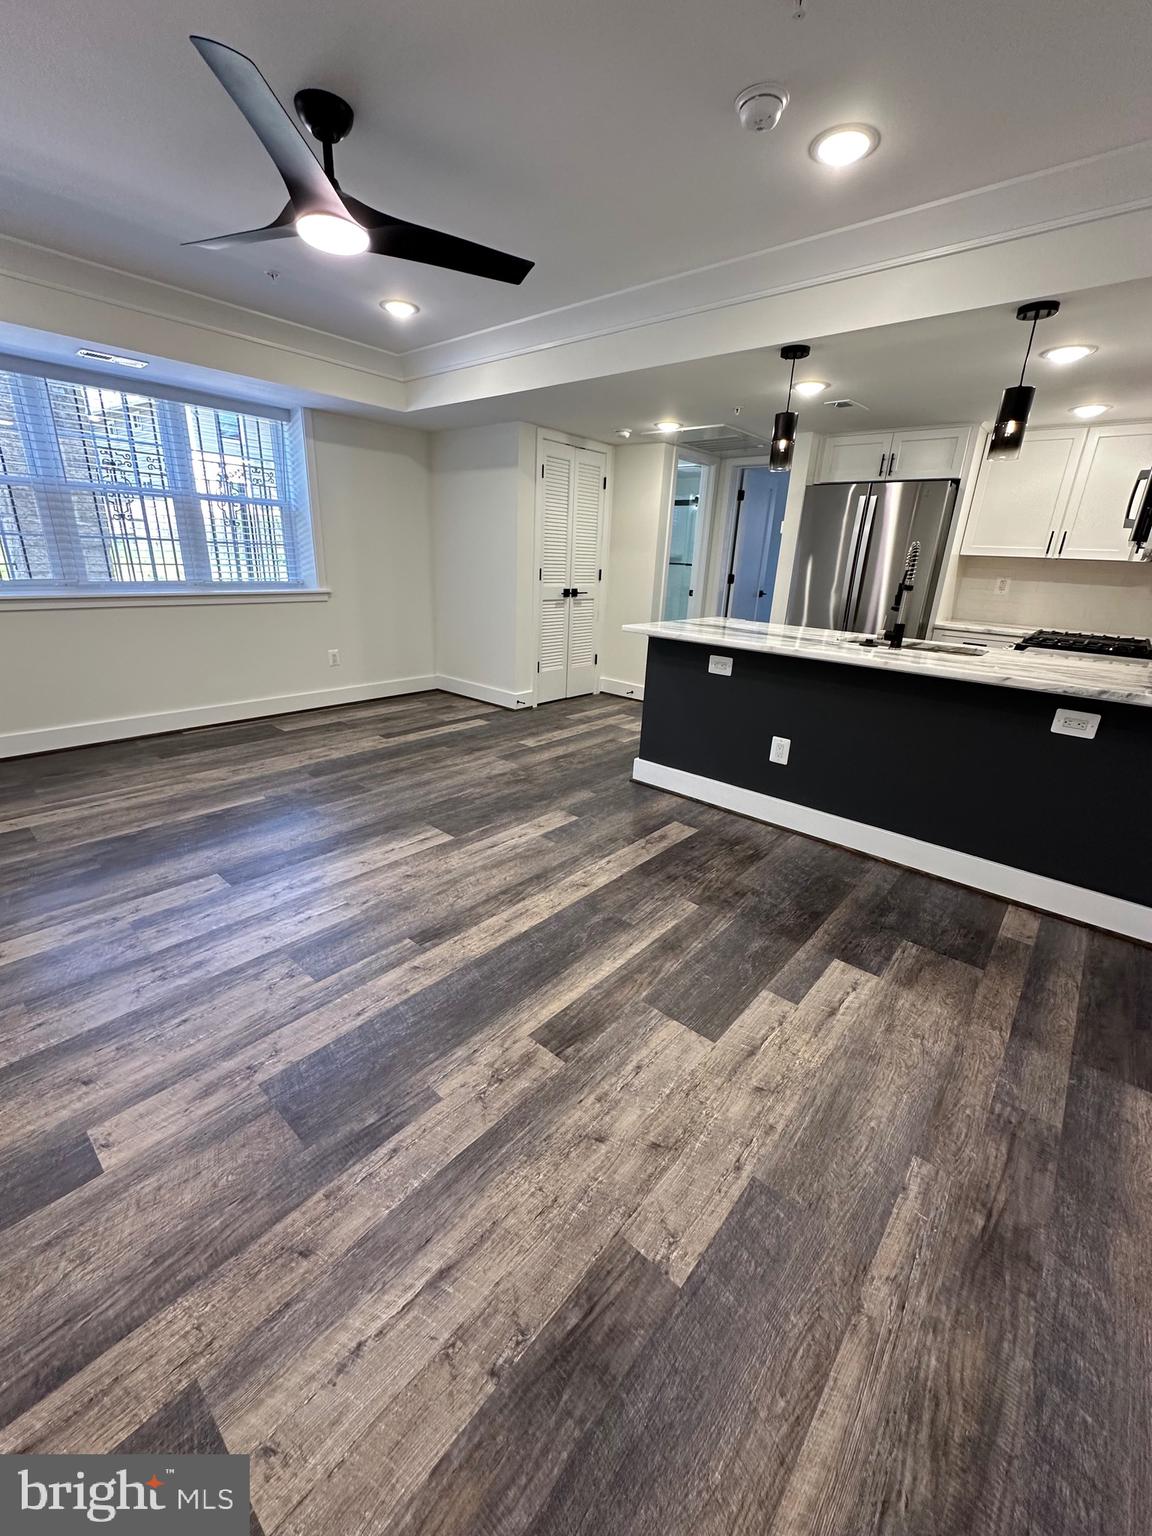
(108, 490)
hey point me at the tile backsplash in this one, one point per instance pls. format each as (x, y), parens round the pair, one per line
(1104, 595)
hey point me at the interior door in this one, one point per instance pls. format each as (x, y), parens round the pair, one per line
(584, 572)
(557, 477)
(571, 529)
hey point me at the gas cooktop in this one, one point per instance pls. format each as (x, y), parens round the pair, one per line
(1131, 647)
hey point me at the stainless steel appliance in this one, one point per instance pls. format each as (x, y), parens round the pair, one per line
(1132, 647)
(851, 551)
(1139, 516)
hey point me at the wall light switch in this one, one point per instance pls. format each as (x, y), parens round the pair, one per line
(1070, 722)
(721, 665)
(333, 658)
(1002, 585)
(781, 746)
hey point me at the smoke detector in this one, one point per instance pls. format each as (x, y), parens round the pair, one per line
(760, 107)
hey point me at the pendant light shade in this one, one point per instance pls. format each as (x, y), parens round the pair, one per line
(784, 430)
(1016, 403)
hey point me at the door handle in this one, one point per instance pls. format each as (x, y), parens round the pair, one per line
(566, 592)
(577, 592)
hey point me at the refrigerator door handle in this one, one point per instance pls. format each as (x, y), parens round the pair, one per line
(859, 556)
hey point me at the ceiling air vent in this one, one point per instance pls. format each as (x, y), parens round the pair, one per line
(846, 405)
(717, 438)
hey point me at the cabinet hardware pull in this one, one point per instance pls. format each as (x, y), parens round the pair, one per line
(1063, 541)
(1048, 547)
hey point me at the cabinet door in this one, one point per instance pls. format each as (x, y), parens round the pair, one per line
(1094, 523)
(1019, 503)
(858, 457)
(931, 453)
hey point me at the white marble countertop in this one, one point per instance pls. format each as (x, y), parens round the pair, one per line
(1083, 677)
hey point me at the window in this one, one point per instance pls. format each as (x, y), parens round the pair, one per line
(105, 490)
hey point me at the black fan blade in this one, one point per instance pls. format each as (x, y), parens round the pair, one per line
(282, 225)
(303, 175)
(413, 242)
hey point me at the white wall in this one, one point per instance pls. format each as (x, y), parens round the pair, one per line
(634, 573)
(97, 673)
(483, 533)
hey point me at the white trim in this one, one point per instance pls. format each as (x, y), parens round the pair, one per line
(502, 696)
(1017, 885)
(85, 733)
(625, 690)
(190, 597)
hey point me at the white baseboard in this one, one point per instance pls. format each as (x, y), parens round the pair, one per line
(481, 691)
(1016, 885)
(625, 690)
(87, 732)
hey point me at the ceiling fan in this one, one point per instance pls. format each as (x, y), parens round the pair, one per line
(317, 210)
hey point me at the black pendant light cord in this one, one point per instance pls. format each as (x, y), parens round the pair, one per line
(1028, 349)
(792, 376)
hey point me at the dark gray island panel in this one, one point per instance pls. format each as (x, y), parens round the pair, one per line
(957, 764)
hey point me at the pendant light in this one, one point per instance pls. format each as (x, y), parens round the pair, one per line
(1016, 404)
(784, 431)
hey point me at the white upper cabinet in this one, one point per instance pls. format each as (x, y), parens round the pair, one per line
(928, 453)
(1102, 491)
(1019, 504)
(919, 453)
(859, 456)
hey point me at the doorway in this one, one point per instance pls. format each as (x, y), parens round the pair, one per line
(687, 539)
(754, 551)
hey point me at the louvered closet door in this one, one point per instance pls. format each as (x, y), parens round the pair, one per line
(584, 604)
(558, 480)
(571, 528)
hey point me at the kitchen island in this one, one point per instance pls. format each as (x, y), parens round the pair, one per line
(1021, 773)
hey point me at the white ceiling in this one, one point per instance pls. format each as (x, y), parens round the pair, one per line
(597, 138)
(949, 369)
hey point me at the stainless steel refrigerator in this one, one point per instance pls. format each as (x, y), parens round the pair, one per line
(852, 547)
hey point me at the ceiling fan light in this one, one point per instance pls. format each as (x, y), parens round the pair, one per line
(331, 234)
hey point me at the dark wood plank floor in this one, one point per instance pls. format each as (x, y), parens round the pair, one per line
(490, 1146)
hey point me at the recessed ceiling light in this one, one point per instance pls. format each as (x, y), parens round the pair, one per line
(336, 236)
(811, 387)
(111, 357)
(400, 309)
(845, 144)
(1062, 355)
(669, 426)
(1088, 411)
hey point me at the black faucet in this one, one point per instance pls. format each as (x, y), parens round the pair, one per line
(894, 634)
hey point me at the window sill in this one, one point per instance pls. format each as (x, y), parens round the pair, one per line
(191, 598)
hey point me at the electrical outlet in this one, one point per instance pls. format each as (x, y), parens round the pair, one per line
(781, 746)
(1002, 585)
(1071, 722)
(333, 658)
(721, 665)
